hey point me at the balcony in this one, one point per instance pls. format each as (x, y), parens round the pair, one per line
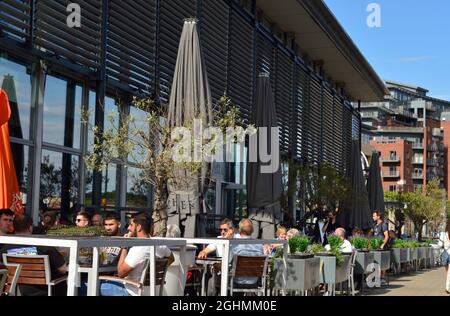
(432, 162)
(417, 162)
(418, 146)
(433, 148)
(437, 132)
(391, 174)
(401, 129)
(391, 159)
(417, 176)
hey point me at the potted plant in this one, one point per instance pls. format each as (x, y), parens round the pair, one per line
(380, 256)
(376, 243)
(298, 247)
(85, 254)
(335, 263)
(360, 243)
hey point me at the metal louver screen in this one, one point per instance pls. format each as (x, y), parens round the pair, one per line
(338, 136)
(356, 123)
(214, 36)
(79, 45)
(15, 19)
(283, 99)
(300, 113)
(172, 15)
(266, 55)
(347, 137)
(315, 121)
(241, 70)
(328, 127)
(132, 43)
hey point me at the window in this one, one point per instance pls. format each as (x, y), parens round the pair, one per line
(16, 82)
(109, 186)
(137, 189)
(62, 111)
(392, 188)
(393, 155)
(59, 180)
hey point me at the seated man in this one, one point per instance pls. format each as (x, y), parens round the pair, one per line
(132, 262)
(112, 226)
(293, 232)
(346, 246)
(23, 225)
(226, 232)
(6, 222)
(246, 231)
(97, 220)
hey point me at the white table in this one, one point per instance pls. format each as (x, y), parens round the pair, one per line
(75, 243)
(226, 243)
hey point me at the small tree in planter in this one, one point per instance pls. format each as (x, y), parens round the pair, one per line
(151, 145)
(399, 218)
(322, 189)
(376, 243)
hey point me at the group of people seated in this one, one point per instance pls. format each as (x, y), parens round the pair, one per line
(130, 262)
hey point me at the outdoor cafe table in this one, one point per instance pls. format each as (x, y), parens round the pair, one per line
(75, 243)
(226, 243)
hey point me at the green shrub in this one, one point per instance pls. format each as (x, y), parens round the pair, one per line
(360, 243)
(68, 231)
(335, 243)
(398, 243)
(298, 244)
(316, 248)
(376, 243)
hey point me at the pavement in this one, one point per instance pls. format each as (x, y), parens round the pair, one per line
(430, 282)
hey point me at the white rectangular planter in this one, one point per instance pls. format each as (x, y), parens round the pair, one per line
(363, 260)
(302, 274)
(333, 274)
(383, 258)
(399, 255)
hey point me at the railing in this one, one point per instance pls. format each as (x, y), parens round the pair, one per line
(401, 129)
(391, 174)
(418, 146)
(432, 162)
(391, 159)
(437, 132)
(417, 162)
(417, 176)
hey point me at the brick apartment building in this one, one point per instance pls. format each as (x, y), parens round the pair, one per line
(396, 161)
(409, 126)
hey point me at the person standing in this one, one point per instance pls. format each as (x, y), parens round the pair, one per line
(380, 230)
(444, 242)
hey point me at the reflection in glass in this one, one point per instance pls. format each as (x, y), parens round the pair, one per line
(109, 187)
(54, 110)
(137, 189)
(62, 113)
(92, 98)
(22, 171)
(17, 84)
(140, 124)
(59, 182)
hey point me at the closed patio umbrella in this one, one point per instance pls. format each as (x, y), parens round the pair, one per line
(264, 189)
(355, 211)
(190, 99)
(9, 187)
(375, 185)
(15, 126)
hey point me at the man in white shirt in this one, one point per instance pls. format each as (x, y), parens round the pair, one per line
(226, 232)
(132, 262)
(346, 246)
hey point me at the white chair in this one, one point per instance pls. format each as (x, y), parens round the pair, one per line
(35, 270)
(142, 285)
(9, 288)
(3, 279)
(351, 275)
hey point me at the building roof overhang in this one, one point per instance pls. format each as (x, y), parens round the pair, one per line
(321, 37)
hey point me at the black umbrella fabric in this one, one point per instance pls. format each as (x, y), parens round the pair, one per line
(15, 127)
(264, 189)
(355, 212)
(375, 185)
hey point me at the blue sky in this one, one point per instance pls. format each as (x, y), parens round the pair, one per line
(411, 46)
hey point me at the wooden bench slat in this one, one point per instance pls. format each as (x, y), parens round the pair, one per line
(31, 281)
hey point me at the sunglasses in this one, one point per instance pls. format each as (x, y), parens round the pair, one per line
(223, 229)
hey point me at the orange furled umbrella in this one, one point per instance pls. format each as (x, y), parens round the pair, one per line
(9, 187)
